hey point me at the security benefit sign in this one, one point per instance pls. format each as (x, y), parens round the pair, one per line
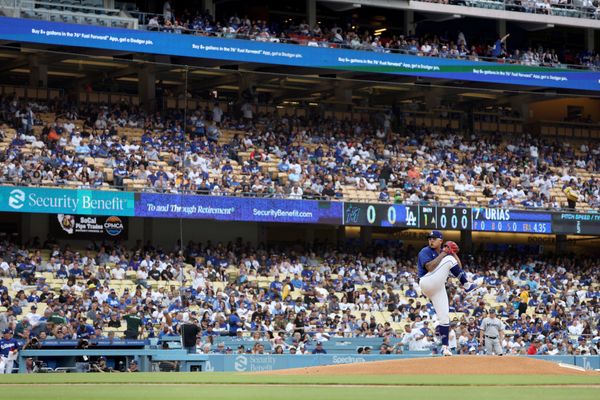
(88, 227)
(67, 201)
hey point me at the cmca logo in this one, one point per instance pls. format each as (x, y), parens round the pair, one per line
(241, 363)
(113, 226)
(16, 199)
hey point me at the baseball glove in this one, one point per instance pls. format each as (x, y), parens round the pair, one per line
(451, 247)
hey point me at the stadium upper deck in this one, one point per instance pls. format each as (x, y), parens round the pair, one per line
(289, 157)
(336, 105)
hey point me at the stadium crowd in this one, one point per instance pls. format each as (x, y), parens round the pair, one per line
(585, 8)
(353, 37)
(249, 154)
(291, 297)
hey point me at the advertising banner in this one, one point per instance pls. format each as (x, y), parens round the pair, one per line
(266, 362)
(66, 201)
(84, 227)
(36, 31)
(238, 209)
(69, 203)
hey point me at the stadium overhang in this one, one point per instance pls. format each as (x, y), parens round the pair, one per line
(75, 66)
(476, 12)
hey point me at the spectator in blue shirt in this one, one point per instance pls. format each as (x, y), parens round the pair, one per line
(119, 174)
(62, 272)
(83, 149)
(497, 50)
(297, 281)
(319, 349)
(2, 287)
(33, 297)
(235, 323)
(84, 331)
(227, 167)
(384, 196)
(76, 271)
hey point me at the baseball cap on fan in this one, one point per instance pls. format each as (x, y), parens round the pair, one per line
(435, 235)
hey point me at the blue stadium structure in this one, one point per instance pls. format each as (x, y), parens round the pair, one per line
(236, 187)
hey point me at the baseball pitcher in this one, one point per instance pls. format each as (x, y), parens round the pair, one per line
(434, 265)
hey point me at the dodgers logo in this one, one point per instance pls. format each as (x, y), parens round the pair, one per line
(241, 363)
(16, 199)
(209, 367)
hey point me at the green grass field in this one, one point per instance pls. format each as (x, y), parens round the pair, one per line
(226, 386)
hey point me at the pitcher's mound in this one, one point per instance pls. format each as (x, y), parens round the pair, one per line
(457, 365)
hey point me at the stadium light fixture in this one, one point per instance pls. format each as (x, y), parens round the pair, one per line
(301, 80)
(66, 74)
(390, 88)
(207, 72)
(9, 55)
(477, 95)
(50, 73)
(93, 63)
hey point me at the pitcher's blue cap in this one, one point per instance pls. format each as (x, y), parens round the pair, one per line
(435, 234)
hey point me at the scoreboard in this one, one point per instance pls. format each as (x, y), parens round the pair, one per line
(407, 216)
(574, 223)
(480, 219)
(453, 218)
(515, 221)
(383, 215)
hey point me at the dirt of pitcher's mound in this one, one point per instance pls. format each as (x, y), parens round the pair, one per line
(457, 365)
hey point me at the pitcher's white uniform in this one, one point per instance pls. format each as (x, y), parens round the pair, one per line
(433, 285)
